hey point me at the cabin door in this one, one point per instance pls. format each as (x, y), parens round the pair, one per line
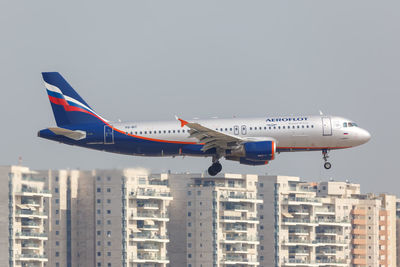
(108, 135)
(326, 126)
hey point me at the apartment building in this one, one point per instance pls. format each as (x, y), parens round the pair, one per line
(220, 221)
(325, 224)
(23, 218)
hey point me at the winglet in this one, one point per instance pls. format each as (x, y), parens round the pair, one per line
(183, 122)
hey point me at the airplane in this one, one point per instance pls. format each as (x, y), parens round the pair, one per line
(253, 141)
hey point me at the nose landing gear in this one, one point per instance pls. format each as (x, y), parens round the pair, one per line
(325, 156)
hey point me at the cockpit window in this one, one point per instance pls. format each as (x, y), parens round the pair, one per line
(351, 124)
(344, 124)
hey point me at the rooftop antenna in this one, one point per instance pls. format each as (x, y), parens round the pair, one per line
(320, 113)
(19, 161)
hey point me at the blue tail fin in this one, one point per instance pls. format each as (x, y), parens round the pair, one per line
(68, 107)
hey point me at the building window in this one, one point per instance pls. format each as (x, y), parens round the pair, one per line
(108, 178)
(189, 203)
(57, 253)
(98, 232)
(189, 193)
(98, 178)
(108, 190)
(56, 190)
(98, 222)
(98, 201)
(57, 222)
(57, 201)
(198, 193)
(108, 233)
(57, 243)
(189, 245)
(108, 222)
(57, 232)
(98, 211)
(189, 234)
(108, 201)
(108, 211)
(109, 254)
(189, 255)
(98, 189)
(189, 214)
(99, 253)
(109, 243)
(57, 211)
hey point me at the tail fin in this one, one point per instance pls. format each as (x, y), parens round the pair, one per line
(68, 107)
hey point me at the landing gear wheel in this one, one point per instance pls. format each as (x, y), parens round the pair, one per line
(214, 169)
(327, 165)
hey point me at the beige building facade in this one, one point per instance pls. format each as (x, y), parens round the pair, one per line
(23, 220)
(219, 225)
(325, 224)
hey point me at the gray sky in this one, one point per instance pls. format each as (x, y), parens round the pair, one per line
(150, 60)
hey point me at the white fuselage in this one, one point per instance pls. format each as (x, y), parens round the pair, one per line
(289, 132)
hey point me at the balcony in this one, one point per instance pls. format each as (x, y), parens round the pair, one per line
(299, 252)
(303, 212)
(358, 231)
(148, 228)
(359, 241)
(240, 198)
(359, 251)
(327, 232)
(237, 229)
(326, 252)
(147, 247)
(142, 237)
(324, 211)
(148, 259)
(359, 261)
(331, 242)
(235, 219)
(149, 215)
(240, 239)
(334, 222)
(30, 245)
(298, 262)
(33, 192)
(359, 221)
(299, 242)
(149, 194)
(301, 201)
(148, 206)
(29, 235)
(30, 224)
(30, 214)
(31, 257)
(361, 212)
(294, 231)
(293, 221)
(242, 260)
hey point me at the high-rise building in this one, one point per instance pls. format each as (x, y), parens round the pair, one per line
(220, 221)
(23, 218)
(326, 223)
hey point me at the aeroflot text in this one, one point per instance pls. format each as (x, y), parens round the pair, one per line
(287, 119)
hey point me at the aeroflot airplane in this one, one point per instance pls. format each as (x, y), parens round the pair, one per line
(253, 141)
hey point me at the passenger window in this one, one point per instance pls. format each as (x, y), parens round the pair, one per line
(270, 127)
(140, 132)
(265, 128)
(293, 127)
(179, 131)
(145, 132)
(312, 126)
(274, 127)
(159, 132)
(135, 132)
(251, 128)
(173, 131)
(183, 131)
(302, 126)
(283, 127)
(226, 129)
(307, 126)
(149, 132)
(279, 127)
(169, 131)
(165, 131)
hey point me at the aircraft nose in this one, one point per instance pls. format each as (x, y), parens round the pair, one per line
(364, 136)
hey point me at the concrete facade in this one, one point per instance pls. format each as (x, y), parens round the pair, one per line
(325, 224)
(23, 220)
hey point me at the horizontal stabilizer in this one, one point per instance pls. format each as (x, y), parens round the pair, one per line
(76, 135)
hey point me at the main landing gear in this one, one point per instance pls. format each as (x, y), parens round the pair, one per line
(215, 168)
(325, 156)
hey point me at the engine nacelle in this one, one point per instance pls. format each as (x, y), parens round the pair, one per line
(262, 150)
(253, 153)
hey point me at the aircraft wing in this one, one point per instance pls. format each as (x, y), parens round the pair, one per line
(211, 138)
